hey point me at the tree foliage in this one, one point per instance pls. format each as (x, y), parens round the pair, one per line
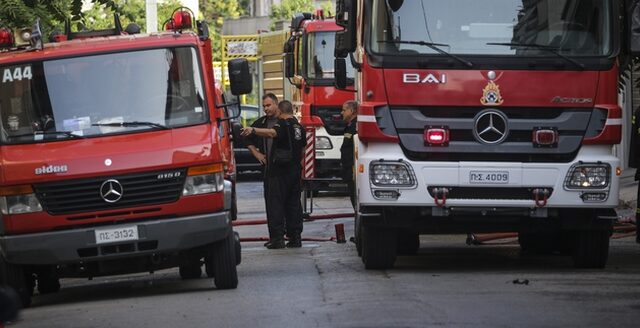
(215, 12)
(52, 13)
(130, 11)
(287, 8)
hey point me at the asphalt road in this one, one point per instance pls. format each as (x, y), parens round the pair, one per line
(324, 284)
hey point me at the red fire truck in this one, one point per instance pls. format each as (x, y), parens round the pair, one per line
(486, 116)
(309, 67)
(115, 156)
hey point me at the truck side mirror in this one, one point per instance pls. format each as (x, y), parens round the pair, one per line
(634, 31)
(289, 57)
(346, 11)
(289, 65)
(240, 77)
(340, 67)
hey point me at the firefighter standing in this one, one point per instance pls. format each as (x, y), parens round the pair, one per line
(260, 147)
(284, 210)
(349, 114)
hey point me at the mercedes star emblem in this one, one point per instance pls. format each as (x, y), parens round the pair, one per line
(490, 126)
(111, 191)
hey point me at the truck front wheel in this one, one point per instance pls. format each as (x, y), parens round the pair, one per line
(591, 248)
(221, 263)
(358, 234)
(378, 247)
(408, 243)
(14, 276)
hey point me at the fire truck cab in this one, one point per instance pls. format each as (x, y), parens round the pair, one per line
(115, 157)
(309, 62)
(487, 116)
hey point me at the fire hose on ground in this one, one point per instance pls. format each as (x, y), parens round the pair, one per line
(620, 230)
(339, 237)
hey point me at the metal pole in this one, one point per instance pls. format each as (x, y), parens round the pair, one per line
(152, 16)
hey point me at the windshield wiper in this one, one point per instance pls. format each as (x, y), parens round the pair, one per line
(553, 50)
(69, 134)
(433, 46)
(133, 124)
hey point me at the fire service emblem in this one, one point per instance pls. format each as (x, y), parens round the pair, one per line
(491, 95)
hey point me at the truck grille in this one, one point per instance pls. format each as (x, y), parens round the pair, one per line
(84, 195)
(572, 124)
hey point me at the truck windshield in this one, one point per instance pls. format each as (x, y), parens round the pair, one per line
(320, 56)
(573, 28)
(95, 95)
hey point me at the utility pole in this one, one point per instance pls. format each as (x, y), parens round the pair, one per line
(152, 16)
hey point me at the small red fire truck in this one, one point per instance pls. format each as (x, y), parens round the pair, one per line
(115, 156)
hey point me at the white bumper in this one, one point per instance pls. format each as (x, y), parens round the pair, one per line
(457, 174)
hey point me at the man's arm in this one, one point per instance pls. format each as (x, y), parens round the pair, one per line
(262, 158)
(260, 132)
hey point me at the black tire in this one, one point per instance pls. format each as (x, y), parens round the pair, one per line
(378, 248)
(221, 263)
(538, 242)
(48, 286)
(15, 277)
(48, 281)
(190, 271)
(234, 204)
(408, 243)
(591, 248)
(236, 237)
(358, 234)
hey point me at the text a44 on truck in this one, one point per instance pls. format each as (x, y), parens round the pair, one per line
(309, 59)
(115, 156)
(489, 116)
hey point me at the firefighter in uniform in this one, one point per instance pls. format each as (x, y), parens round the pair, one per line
(284, 211)
(260, 147)
(634, 161)
(349, 114)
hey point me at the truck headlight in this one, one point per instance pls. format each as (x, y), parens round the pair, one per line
(323, 143)
(202, 184)
(204, 179)
(391, 174)
(20, 204)
(588, 176)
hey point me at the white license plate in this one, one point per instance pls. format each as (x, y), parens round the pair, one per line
(115, 235)
(489, 177)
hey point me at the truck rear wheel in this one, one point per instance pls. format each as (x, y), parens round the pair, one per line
(190, 270)
(537, 242)
(48, 281)
(14, 276)
(378, 247)
(408, 243)
(221, 263)
(591, 248)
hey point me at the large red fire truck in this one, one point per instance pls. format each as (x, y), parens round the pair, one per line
(309, 67)
(486, 116)
(116, 157)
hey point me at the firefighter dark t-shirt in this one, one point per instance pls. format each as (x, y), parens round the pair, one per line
(289, 129)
